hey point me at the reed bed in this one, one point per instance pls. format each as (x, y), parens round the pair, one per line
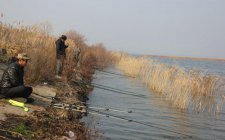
(191, 89)
(40, 46)
(36, 43)
(92, 56)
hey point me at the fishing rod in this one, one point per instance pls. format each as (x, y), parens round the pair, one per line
(72, 109)
(106, 73)
(56, 98)
(137, 122)
(92, 107)
(73, 105)
(117, 74)
(83, 109)
(67, 106)
(110, 109)
(95, 84)
(119, 92)
(48, 97)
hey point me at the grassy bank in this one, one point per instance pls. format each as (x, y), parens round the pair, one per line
(185, 89)
(40, 46)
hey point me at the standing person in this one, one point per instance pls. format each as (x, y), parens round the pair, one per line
(60, 55)
(12, 83)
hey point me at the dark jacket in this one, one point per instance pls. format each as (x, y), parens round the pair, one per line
(12, 76)
(60, 48)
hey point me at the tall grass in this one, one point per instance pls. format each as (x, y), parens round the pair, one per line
(91, 56)
(185, 89)
(34, 41)
(40, 46)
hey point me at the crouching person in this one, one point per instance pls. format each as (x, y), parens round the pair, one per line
(12, 83)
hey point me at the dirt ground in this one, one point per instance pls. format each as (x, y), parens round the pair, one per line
(44, 120)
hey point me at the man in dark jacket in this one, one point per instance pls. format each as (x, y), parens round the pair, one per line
(60, 55)
(12, 84)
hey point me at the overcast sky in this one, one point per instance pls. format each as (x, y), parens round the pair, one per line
(161, 27)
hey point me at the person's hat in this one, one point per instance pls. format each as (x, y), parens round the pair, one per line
(64, 37)
(23, 56)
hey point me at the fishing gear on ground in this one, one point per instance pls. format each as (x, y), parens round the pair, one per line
(70, 107)
(79, 107)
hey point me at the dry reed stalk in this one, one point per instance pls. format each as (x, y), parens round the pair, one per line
(33, 41)
(40, 46)
(185, 89)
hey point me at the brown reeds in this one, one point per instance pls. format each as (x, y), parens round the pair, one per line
(185, 89)
(40, 46)
(32, 40)
(91, 56)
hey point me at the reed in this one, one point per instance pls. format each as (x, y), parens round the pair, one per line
(191, 89)
(36, 41)
(91, 57)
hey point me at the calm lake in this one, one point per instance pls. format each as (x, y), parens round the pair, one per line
(152, 116)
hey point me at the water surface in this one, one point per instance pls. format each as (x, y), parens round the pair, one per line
(153, 117)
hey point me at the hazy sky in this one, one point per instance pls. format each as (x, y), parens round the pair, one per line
(161, 27)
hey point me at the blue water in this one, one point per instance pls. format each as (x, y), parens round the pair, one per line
(159, 120)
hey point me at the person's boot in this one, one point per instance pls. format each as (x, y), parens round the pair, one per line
(29, 100)
(2, 96)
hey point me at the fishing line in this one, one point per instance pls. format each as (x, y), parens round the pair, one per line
(114, 75)
(109, 109)
(117, 74)
(101, 108)
(113, 88)
(73, 105)
(61, 105)
(92, 107)
(130, 120)
(141, 123)
(119, 92)
(83, 110)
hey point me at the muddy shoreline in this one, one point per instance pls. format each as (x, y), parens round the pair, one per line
(59, 105)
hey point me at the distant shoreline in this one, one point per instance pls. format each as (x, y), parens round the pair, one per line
(185, 57)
